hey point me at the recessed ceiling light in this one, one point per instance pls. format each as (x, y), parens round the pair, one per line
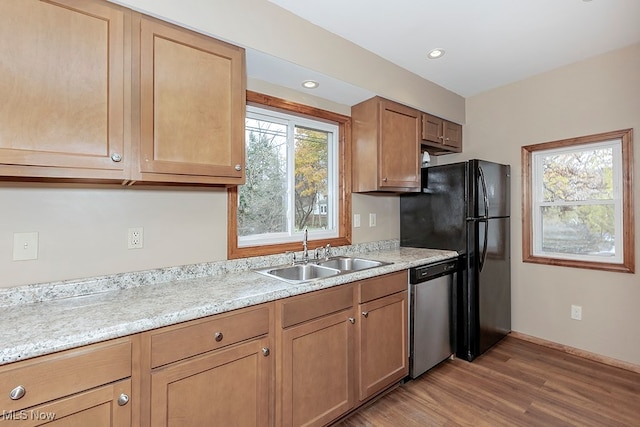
(435, 53)
(310, 84)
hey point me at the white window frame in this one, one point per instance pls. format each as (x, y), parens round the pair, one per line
(539, 202)
(293, 121)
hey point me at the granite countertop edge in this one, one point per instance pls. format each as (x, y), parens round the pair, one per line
(110, 307)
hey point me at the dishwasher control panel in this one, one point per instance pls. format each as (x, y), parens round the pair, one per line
(427, 272)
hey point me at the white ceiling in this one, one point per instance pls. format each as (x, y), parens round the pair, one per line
(488, 43)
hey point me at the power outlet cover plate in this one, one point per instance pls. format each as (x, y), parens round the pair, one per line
(135, 238)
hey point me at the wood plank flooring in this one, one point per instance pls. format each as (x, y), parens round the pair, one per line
(516, 383)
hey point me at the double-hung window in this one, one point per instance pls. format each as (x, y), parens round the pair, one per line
(577, 206)
(296, 168)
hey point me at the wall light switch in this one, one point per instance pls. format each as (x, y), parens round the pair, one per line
(25, 246)
(372, 220)
(356, 220)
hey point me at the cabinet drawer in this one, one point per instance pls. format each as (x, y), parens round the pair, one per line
(179, 342)
(300, 309)
(378, 287)
(51, 377)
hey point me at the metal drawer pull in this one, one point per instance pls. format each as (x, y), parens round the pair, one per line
(123, 399)
(352, 320)
(265, 351)
(218, 336)
(238, 168)
(365, 313)
(116, 157)
(18, 393)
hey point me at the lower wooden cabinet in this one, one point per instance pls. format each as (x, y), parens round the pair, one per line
(383, 353)
(316, 357)
(318, 370)
(80, 387)
(330, 359)
(104, 406)
(226, 388)
(212, 371)
(307, 360)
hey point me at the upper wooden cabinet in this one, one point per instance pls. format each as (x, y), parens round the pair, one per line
(440, 136)
(62, 85)
(386, 146)
(192, 106)
(94, 91)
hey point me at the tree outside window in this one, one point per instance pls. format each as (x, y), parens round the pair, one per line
(577, 206)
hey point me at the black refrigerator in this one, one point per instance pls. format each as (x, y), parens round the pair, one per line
(465, 207)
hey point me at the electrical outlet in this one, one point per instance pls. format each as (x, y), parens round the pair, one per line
(135, 238)
(372, 220)
(576, 312)
(356, 220)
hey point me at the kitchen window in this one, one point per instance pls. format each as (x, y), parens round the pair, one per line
(577, 202)
(296, 158)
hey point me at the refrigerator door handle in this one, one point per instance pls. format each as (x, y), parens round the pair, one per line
(483, 257)
(485, 196)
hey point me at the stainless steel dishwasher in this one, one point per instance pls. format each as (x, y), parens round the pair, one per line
(431, 337)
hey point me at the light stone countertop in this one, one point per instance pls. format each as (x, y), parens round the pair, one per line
(42, 319)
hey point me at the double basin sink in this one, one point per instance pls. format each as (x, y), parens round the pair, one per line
(320, 269)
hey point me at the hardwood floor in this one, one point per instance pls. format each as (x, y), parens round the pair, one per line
(516, 383)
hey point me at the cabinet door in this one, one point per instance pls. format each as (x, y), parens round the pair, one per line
(104, 406)
(399, 146)
(383, 355)
(192, 106)
(318, 370)
(432, 128)
(453, 136)
(62, 89)
(222, 388)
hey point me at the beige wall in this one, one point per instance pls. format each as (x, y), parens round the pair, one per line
(598, 95)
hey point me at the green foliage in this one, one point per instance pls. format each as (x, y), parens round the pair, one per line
(311, 157)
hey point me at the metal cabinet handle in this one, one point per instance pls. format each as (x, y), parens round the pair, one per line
(123, 399)
(365, 313)
(116, 157)
(266, 351)
(238, 168)
(385, 179)
(18, 393)
(218, 336)
(352, 320)
(441, 137)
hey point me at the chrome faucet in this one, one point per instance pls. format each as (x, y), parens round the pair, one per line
(305, 251)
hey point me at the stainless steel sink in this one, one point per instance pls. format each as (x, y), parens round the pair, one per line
(318, 269)
(350, 264)
(300, 272)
